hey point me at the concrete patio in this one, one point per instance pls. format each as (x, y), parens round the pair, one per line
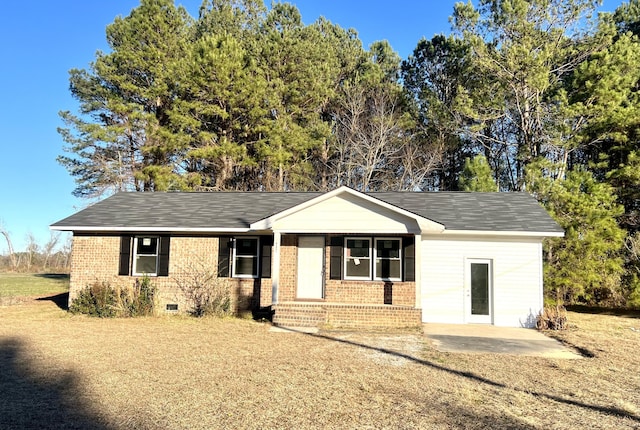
(489, 339)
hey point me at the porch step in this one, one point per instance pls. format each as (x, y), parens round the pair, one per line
(299, 315)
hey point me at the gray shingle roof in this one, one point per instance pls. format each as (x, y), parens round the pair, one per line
(517, 212)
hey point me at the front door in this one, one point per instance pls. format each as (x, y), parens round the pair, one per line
(479, 291)
(310, 267)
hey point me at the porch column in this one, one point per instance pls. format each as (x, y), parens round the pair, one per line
(418, 268)
(275, 268)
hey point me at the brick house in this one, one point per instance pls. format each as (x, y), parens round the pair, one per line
(341, 258)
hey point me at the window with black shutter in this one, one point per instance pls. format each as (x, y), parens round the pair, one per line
(372, 258)
(409, 260)
(266, 243)
(144, 255)
(125, 256)
(224, 255)
(335, 257)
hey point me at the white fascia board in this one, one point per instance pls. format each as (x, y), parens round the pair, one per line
(426, 225)
(503, 233)
(347, 231)
(151, 229)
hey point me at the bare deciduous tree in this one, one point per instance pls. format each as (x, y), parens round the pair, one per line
(7, 237)
(369, 131)
(49, 247)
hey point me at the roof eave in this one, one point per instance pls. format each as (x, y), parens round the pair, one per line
(151, 229)
(503, 233)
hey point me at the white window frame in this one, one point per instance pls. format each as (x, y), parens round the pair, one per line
(346, 259)
(135, 255)
(257, 257)
(375, 257)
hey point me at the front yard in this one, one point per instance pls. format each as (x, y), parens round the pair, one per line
(61, 371)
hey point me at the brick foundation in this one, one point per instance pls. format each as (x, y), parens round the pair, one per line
(345, 315)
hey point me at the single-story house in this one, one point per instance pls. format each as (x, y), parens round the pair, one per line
(341, 258)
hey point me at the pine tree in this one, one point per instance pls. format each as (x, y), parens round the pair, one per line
(434, 76)
(120, 140)
(477, 176)
(585, 265)
(523, 49)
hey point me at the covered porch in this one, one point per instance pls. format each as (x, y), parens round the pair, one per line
(346, 259)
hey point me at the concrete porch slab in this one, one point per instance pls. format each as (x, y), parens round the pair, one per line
(488, 339)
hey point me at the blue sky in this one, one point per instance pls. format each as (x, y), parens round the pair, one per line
(41, 40)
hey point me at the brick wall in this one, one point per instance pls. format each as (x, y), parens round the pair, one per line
(96, 259)
(345, 315)
(356, 316)
(288, 268)
(93, 259)
(371, 292)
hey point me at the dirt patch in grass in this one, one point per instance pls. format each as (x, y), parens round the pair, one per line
(63, 371)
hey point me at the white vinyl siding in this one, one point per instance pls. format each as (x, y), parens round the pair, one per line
(517, 278)
(347, 214)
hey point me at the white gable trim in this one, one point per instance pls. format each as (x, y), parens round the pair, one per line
(426, 225)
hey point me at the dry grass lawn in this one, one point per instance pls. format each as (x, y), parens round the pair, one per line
(60, 371)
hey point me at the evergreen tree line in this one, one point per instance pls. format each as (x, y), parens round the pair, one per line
(540, 96)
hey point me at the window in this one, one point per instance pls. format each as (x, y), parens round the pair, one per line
(380, 258)
(245, 257)
(145, 259)
(144, 255)
(388, 259)
(357, 259)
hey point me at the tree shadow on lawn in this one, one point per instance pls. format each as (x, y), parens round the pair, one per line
(57, 276)
(60, 300)
(30, 398)
(616, 312)
(477, 378)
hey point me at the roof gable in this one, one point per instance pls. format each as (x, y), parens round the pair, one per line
(345, 210)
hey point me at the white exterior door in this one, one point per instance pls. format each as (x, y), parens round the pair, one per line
(310, 267)
(479, 291)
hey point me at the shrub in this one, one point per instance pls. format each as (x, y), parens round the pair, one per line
(96, 300)
(102, 300)
(552, 318)
(205, 292)
(143, 298)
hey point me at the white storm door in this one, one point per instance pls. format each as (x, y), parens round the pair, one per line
(310, 267)
(479, 291)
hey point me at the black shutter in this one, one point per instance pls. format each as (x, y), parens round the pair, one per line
(125, 255)
(224, 254)
(409, 260)
(335, 260)
(266, 243)
(163, 257)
